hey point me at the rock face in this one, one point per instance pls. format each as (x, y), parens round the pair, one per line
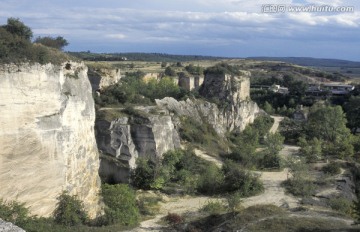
(232, 92)
(47, 136)
(102, 78)
(123, 140)
(227, 88)
(9, 227)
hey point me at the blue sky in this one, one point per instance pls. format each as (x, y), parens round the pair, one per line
(234, 28)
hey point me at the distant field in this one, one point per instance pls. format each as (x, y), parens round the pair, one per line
(353, 73)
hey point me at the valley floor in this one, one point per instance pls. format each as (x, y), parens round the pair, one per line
(274, 194)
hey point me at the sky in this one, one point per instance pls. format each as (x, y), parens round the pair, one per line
(230, 28)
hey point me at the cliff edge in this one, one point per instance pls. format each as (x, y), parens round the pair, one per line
(47, 136)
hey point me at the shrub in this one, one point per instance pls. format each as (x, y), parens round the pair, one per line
(333, 168)
(121, 207)
(211, 181)
(341, 204)
(310, 150)
(16, 47)
(234, 200)
(271, 161)
(300, 187)
(213, 207)
(14, 212)
(241, 181)
(69, 210)
(144, 174)
(148, 205)
(174, 218)
(274, 143)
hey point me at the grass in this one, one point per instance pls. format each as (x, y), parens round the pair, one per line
(289, 224)
(148, 205)
(266, 218)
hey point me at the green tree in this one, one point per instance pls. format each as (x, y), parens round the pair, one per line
(58, 42)
(163, 64)
(121, 207)
(327, 123)
(245, 146)
(311, 150)
(144, 174)
(211, 181)
(170, 71)
(352, 109)
(274, 143)
(69, 210)
(268, 108)
(16, 27)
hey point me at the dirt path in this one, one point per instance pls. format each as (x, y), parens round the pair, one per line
(274, 193)
(205, 156)
(275, 126)
(178, 205)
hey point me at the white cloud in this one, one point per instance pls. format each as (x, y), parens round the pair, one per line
(116, 36)
(210, 22)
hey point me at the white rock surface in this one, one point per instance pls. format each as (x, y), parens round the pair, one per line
(47, 136)
(103, 77)
(9, 227)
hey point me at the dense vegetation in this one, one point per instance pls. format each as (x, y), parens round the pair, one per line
(121, 212)
(133, 89)
(16, 46)
(182, 171)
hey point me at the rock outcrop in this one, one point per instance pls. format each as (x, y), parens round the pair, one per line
(234, 110)
(9, 227)
(103, 77)
(122, 140)
(47, 136)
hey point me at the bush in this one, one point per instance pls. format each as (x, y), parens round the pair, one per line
(211, 181)
(300, 187)
(121, 207)
(14, 212)
(271, 162)
(179, 167)
(300, 183)
(234, 200)
(310, 150)
(174, 218)
(213, 207)
(148, 205)
(144, 174)
(241, 181)
(16, 47)
(333, 168)
(341, 204)
(274, 143)
(69, 210)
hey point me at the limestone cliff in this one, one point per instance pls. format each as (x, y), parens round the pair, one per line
(47, 136)
(124, 139)
(103, 77)
(234, 110)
